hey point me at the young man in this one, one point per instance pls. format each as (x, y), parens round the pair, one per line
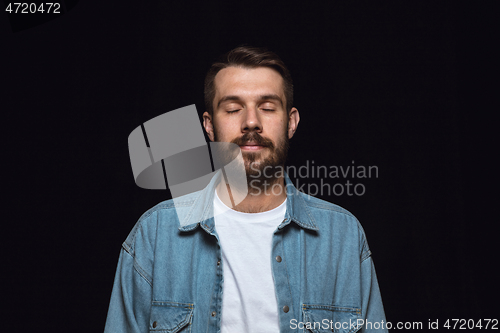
(278, 261)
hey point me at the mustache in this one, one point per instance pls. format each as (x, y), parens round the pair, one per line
(253, 137)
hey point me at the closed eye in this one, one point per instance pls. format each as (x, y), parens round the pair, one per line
(232, 111)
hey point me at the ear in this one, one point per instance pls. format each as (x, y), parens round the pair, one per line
(293, 122)
(208, 125)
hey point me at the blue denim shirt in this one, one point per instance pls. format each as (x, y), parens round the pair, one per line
(170, 272)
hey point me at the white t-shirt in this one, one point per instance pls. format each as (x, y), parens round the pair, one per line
(248, 296)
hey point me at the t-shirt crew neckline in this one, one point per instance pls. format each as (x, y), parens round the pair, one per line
(230, 213)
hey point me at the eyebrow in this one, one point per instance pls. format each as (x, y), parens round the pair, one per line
(262, 97)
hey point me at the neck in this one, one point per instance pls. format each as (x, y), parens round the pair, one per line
(257, 200)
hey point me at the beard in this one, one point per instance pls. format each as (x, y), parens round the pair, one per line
(262, 168)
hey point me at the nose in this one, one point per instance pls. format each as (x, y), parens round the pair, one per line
(251, 121)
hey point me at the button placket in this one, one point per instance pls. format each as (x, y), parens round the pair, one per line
(281, 283)
(217, 294)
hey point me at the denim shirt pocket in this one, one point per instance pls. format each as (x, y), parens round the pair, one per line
(171, 317)
(328, 318)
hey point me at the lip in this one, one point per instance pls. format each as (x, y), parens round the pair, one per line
(251, 147)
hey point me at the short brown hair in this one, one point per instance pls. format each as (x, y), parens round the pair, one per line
(250, 57)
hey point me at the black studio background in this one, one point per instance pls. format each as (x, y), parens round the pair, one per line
(376, 84)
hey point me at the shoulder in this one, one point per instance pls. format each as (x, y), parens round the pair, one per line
(336, 220)
(329, 212)
(163, 216)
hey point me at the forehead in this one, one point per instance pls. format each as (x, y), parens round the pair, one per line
(248, 82)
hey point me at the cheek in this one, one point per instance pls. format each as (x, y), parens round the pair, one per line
(224, 131)
(281, 129)
(231, 125)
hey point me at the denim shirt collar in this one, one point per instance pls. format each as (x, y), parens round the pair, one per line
(201, 210)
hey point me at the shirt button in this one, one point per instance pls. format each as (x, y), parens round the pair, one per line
(218, 263)
(278, 258)
(214, 313)
(285, 309)
(154, 324)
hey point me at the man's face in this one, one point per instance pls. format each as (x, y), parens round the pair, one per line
(249, 110)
